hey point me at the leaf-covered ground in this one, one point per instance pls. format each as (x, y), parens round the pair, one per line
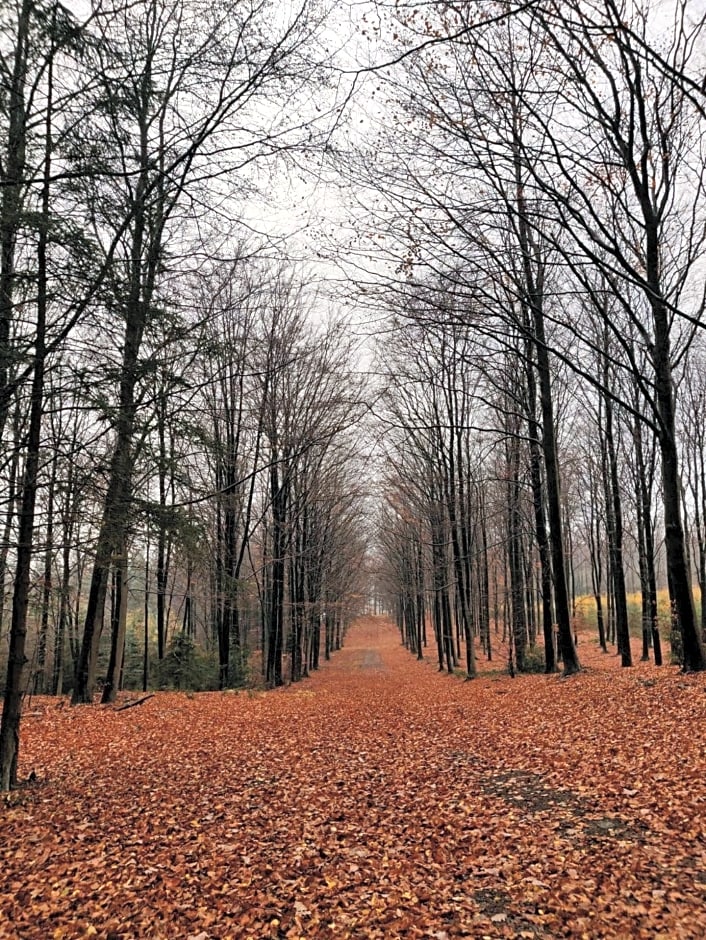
(377, 799)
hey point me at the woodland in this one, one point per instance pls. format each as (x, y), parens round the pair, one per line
(343, 344)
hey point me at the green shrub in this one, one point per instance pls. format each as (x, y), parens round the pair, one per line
(534, 660)
(186, 667)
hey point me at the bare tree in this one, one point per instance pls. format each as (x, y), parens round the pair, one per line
(169, 112)
(632, 203)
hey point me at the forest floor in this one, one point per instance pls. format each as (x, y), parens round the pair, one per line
(380, 798)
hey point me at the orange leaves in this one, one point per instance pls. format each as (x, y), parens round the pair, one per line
(382, 803)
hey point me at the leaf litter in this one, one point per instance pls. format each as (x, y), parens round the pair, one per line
(378, 798)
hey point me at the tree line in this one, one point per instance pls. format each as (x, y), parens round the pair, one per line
(178, 406)
(537, 185)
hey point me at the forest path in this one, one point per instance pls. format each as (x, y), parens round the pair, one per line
(379, 798)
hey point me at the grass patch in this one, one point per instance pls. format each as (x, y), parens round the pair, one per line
(586, 612)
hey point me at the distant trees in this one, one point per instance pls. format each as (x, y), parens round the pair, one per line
(433, 420)
(308, 401)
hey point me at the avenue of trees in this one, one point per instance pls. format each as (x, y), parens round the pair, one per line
(185, 435)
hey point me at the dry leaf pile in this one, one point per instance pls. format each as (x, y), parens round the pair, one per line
(377, 799)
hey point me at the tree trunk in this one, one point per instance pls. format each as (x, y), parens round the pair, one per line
(615, 528)
(146, 623)
(14, 684)
(275, 631)
(518, 618)
(11, 198)
(118, 630)
(12, 497)
(40, 679)
(675, 543)
(540, 526)
(569, 656)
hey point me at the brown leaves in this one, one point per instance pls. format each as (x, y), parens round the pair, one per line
(386, 802)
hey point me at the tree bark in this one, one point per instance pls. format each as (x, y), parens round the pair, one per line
(118, 631)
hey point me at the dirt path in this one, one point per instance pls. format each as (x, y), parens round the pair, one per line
(376, 799)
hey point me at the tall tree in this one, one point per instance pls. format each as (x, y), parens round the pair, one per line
(632, 205)
(178, 90)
